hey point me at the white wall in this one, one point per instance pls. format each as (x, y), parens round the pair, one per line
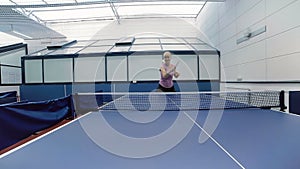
(269, 57)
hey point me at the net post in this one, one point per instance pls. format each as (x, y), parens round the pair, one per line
(281, 101)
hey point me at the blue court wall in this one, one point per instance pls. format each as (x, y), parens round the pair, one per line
(294, 100)
(40, 92)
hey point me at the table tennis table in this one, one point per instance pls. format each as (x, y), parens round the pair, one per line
(252, 138)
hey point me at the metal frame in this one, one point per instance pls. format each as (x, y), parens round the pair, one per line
(73, 56)
(8, 48)
(108, 53)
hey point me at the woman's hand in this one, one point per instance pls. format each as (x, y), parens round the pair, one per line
(176, 74)
(163, 72)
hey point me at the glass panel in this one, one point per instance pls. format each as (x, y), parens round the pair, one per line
(33, 71)
(177, 47)
(86, 12)
(144, 40)
(99, 10)
(56, 1)
(65, 51)
(117, 68)
(187, 66)
(97, 49)
(89, 69)
(120, 49)
(145, 48)
(41, 52)
(144, 67)
(82, 43)
(12, 57)
(35, 2)
(172, 40)
(203, 47)
(105, 42)
(187, 9)
(209, 67)
(11, 75)
(58, 70)
(89, 0)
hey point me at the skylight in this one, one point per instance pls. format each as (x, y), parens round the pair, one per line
(58, 11)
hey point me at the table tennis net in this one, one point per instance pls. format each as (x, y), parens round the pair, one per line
(153, 101)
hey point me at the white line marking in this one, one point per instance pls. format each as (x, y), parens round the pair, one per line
(42, 136)
(218, 144)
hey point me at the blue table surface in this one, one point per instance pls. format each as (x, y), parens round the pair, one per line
(240, 138)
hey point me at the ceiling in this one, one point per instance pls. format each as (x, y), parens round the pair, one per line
(17, 15)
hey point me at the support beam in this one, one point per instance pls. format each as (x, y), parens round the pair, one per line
(200, 9)
(115, 11)
(95, 2)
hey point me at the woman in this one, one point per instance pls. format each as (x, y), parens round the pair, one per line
(167, 71)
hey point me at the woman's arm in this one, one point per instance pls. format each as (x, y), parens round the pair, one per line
(164, 72)
(176, 74)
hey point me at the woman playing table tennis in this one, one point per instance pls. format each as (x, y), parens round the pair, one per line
(167, 71)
